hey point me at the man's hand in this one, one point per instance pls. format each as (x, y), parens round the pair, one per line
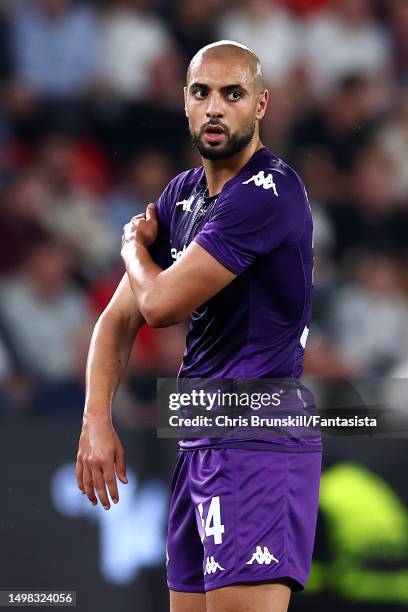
(166, 297)
(142, 229)
(100, 453)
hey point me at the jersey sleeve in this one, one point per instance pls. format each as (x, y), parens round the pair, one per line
(252, 220)
(160, 250)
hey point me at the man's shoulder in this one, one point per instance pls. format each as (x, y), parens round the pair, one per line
(185, 181)
(179, 188)
(266, 164)
(266, 176)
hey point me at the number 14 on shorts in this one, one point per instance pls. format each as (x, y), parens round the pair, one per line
(211, 524)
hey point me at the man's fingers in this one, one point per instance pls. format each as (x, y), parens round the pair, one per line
(137, 218)
(110, 479)
(99, 483)
(129, 235)
(89, 485)
(120, 465)
(79, 475)
(129, 228)
(151, 214)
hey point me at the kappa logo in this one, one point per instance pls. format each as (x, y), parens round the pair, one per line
(262, 557)
(260, 180)
(186, 204)
(212, 566)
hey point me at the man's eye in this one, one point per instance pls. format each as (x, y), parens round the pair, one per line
(233, 96)
(200, 94)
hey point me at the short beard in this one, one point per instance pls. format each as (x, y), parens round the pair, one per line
(235, 143)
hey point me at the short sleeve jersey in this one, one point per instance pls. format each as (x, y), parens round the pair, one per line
(259, 227)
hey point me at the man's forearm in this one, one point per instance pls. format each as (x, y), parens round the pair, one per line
(143, 274)
(109, 351)
(166, 297)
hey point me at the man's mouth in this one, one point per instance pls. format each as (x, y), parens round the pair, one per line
(214, 134)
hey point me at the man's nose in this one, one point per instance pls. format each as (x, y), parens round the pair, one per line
(214, 108)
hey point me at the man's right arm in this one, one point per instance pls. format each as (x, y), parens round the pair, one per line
(100, 453)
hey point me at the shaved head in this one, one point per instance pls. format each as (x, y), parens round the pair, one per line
(225, 99)
(230, 50)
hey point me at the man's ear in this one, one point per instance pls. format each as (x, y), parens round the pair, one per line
(262, 104)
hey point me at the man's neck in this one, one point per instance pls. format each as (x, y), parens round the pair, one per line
(218, 172)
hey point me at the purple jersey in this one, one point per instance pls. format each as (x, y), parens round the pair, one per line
(259, 227)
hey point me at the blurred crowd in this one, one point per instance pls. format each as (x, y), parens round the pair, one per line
(92, 127)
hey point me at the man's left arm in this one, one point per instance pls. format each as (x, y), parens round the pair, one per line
(165, 297)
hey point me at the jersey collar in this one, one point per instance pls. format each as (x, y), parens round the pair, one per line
(259, 155)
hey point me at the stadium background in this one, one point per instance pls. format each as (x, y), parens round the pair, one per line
(92, 127)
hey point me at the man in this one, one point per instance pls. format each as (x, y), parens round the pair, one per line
(239, 231)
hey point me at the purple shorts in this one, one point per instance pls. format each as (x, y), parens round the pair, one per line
(240, 515)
